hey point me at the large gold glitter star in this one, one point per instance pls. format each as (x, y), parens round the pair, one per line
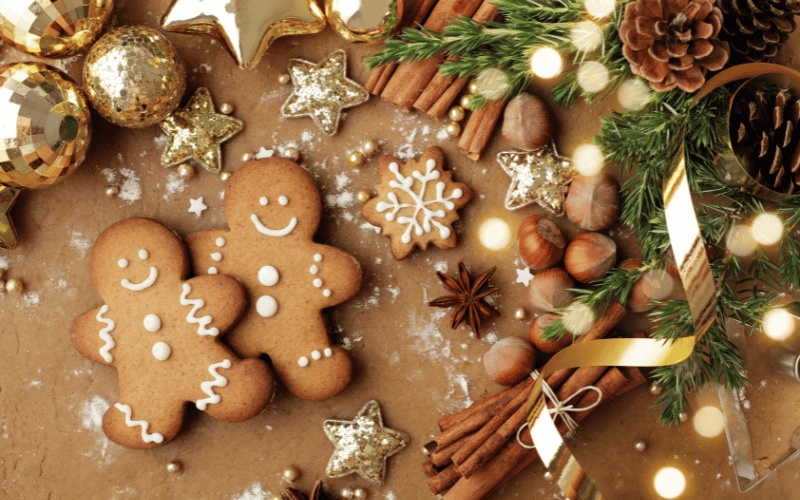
(363, 444)
(246, 27)
(8, 235)
(196, 132)
(539, 176)
(322, 90)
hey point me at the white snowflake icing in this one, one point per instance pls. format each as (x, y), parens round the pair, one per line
(419, 203)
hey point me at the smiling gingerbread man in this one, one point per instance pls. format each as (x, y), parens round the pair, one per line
(273, 210)
(162, 333)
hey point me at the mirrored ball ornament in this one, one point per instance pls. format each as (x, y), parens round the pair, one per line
(45, 126)
(50, 29)
(358, 21)
(134, 77)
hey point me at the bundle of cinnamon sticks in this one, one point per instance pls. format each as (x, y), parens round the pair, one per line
(477, 450)
(421, 84)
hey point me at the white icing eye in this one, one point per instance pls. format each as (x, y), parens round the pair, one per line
(318, 257)
(123, 263)
(213, 270)
(220, 242)
(161, 351)
(152, 323)
(143, 254)
(283, 200)
(263, 201)
(216, 256)
(268, 276)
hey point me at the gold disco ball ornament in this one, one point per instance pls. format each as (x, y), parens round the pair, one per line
(134, 77)
(45, 126)
(359, 21)
(61, 28)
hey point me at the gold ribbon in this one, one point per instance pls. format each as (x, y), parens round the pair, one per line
(695, 272)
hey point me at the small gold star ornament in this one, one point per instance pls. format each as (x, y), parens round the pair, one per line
(362, 444)
(196, 132)
(539, 176)
(8, 235)
(322, 91)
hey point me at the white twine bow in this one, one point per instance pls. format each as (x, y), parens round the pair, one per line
(561, 408)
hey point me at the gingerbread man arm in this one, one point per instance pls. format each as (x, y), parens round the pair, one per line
(218, 314)
(339, 273)
(92, 334)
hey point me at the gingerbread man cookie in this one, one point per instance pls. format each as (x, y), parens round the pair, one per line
(273, 210)
(162, 333)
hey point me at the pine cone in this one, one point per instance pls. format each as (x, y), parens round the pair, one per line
(756, 29)
(762, 133)
(673, 42)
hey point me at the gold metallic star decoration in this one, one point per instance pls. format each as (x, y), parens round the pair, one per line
(363, 444)
(246, 27)
(539, 176)
(8, 235)
(322, 90)
(196, 132)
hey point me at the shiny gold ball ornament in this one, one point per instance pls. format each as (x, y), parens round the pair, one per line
(466, 102)
(186, 171)
(226, 108)
(248, 157)
(356, 158)
(225, 176)
(112, 191)
(453, 129)
(347, 493)
(47, 126)
(683, 416)
(49, 29)
(174, 467)
(369, 147)
(284, 78)
(520, 314)
(362, 196)
(290, 474)
(291, 153)
(655, 389)
(134, 77)
(473, 87)
(456, 113)
(640, 446)
(14, 286)
(358, 21)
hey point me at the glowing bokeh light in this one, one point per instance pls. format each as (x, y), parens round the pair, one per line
(492, 83)
(494, 234)
(767, 229)
(740, 241)
(578, 318)
(669, 482)
(708, 421)
(658, 283)
(599, 8)
(546, 62)
(778, 324)
(592, 76)
(588, 159)
(586, 36)
(633, 94)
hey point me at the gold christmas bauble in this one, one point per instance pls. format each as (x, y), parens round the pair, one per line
(134, 77)
(46, 126)
(358, 21)
(45, 28)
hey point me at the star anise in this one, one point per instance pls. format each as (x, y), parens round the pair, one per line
(468, 298)
(317, 493)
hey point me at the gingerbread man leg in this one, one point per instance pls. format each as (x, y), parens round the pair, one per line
(227, 391)
(143, 424)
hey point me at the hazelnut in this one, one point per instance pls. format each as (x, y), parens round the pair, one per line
(540, 242)
(510, 360)
(590, 256)
(655, 284)
(593, 202)
(549, 289)
(537, 329)
(527, 122)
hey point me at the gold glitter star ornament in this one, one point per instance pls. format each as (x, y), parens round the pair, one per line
(196, 132)
(8, 235)
(322, 91)
(362, 444)
(539, 176)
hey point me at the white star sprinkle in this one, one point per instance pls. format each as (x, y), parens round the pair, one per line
(524, 276)
(197, 206)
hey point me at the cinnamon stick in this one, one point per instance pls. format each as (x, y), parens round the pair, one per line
(444, 479)
(430, 469)
(479, 128)
(443, 455)
(488, 406)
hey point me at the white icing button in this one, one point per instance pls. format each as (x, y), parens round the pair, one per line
(143, 254)
(328, 352)
(123, 263)
(303, 362)
(220, 242)
(316, 355)
(268, 276)
(326, 293)
(161, 351)
(216, 256)
(283, 200)
(152, 323)
(314, 270)
(213, 270)
(263, 201)
(317, 282)
(318, 257)
(266, 306)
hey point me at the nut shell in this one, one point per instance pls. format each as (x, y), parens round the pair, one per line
(527, 122)
(590, 256)
(540, 242)
(537, 329)
(549, 289)
(510, 360)
(593, 202)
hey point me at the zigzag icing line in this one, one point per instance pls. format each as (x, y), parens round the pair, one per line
(147, 438)
(197, 304)
(207, 387)
(106, 335)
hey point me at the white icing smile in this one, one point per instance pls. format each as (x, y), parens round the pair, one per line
(138, 287)
(273, 232)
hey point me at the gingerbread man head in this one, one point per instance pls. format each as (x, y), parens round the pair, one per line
(162, 333)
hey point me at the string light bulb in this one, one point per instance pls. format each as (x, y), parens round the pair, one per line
(740, 241)
(578, 318)
(778, 324)
(492, 83)
(588, 159)
(599, 8)
(633, 94)
(708, 421)
(586, 36)
(592, 76)
(767, 229)
(546, 62)
(670, 482)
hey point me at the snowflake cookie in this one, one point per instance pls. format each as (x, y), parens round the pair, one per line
(162, 333)
(417, 202)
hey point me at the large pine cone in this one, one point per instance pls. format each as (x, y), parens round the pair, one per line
(756, 29)
(672, 43)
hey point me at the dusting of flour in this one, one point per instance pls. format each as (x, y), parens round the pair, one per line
(92, 419)
(255, 492)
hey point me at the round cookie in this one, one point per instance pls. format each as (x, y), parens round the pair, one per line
(273, 210)
(162, 333)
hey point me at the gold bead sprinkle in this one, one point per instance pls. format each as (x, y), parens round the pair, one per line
(225, 176)
(174, 467)
(112, 191)
(347, 493)
(356, 158)
(473, 86)
(548, 476)
(362, 196)
(186, 171)
(290, 474)
(520, 314)
(14, 286)
(453, 129)
(226, 108)
(291, 153)
(360, 494)
(369, 147)
(640, 445)
(284, 78)
(466, 102)
(456, 113)
(248, 157)
(655, 389)
(683, 416)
